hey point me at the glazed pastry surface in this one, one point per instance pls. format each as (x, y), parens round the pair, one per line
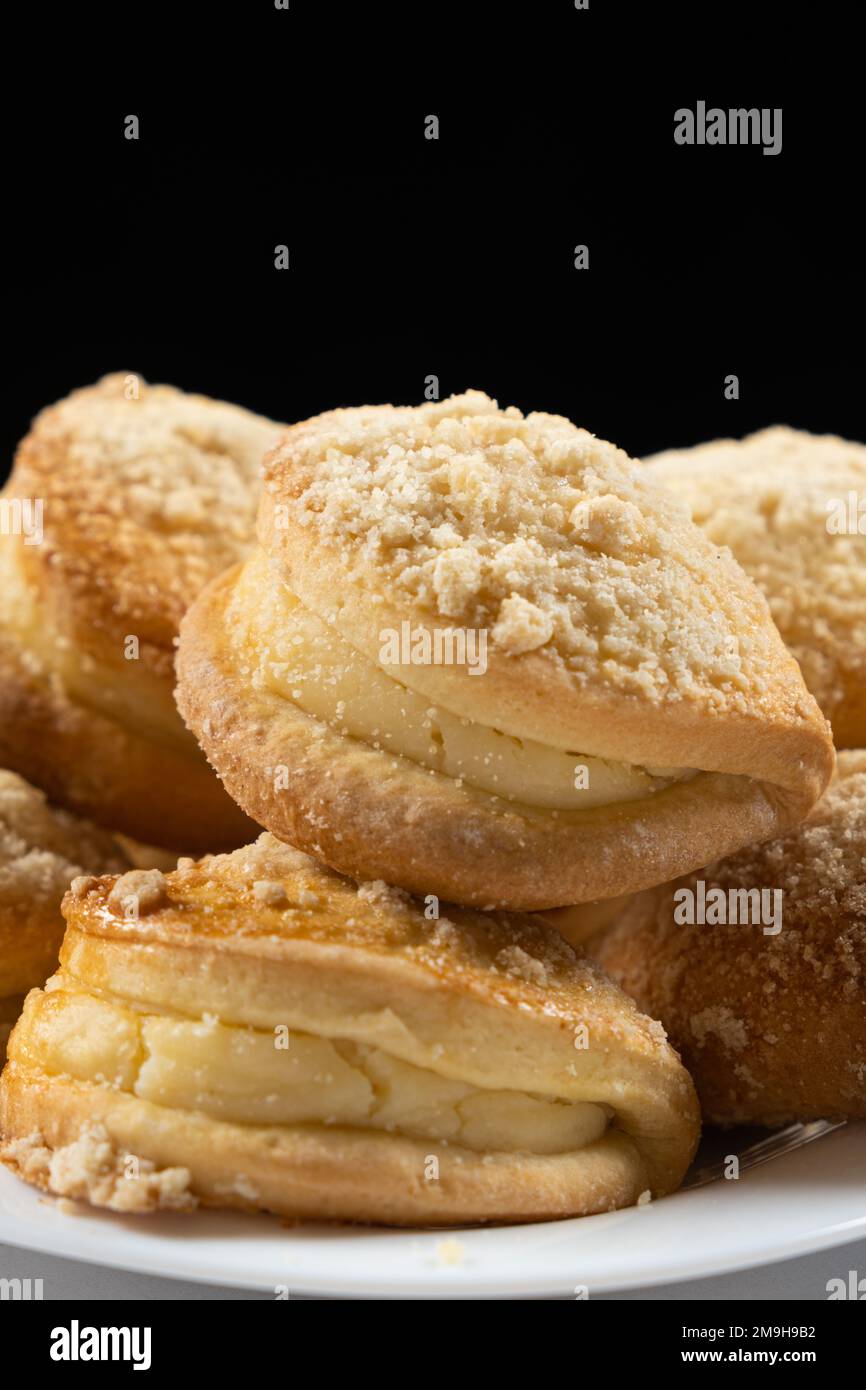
(255, 1014)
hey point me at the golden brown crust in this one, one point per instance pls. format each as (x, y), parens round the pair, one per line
(318, 1175)
(374, 815)
(42, 849)
(266, 937)
(144, 500)
(772, 1027)
(658, 649)
(106, 770)
(615, 629)
(780, 499)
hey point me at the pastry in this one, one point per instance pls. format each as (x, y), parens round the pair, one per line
(120, 507)
(580, 923)
(792, 508)
(769, 1012)
(256, 1031)
(483, 656)
(42, 850)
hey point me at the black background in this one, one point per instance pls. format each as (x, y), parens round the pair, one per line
(412, 257)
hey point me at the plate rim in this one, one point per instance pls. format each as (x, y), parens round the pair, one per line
(434, 1281)
(310, 1285)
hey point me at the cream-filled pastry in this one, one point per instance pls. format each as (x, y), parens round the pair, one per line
(42, 849)
(756, 966)
(254, 1030)
(792, 508)
(328, 679)
(483, 656)
(124, 500)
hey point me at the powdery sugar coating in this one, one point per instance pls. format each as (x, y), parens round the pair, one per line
(820, 868)
(821, 871)
(758, 1017)
(768, 497)
(531, 528)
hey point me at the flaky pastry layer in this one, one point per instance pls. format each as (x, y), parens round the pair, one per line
(292, 653)
(375, 814)
(106, 770)
(431, 1062)
(267, 1077)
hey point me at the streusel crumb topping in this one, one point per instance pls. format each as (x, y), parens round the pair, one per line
(530, 527)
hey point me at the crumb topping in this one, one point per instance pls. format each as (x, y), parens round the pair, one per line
(266, 890)
(43, 848)
(515, 961)
(532, 528)
(92, 1168)
(732, 997)
(177, 462)
(147, 499)
(383, 894)
(723, 1023)
(821, 865)
(148, 888)
(81, 886)
(770, 497)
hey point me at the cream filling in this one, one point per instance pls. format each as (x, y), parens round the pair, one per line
(240, 1075)
(293, 653)
(126, 693)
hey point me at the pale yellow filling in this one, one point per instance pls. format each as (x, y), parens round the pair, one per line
(293, 653)
(126, 693)
(241, 1076)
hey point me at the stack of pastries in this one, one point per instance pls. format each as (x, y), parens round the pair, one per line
(462, 699)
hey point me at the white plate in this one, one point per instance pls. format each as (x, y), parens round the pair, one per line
(800, 1202)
